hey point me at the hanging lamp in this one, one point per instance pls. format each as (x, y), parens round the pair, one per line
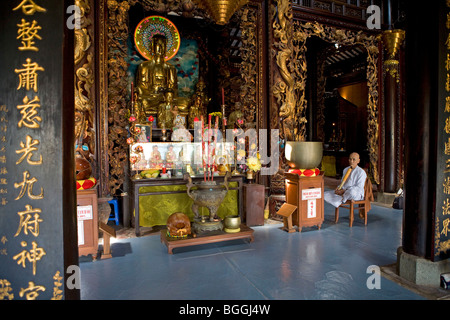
(392, 40)
(221, 10)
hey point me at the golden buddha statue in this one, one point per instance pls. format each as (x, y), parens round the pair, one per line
(200, 91)
(195, 111)
(165, 112)
(235, 116)
(154, 79)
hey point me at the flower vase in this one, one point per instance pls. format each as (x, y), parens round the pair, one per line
(250, 176)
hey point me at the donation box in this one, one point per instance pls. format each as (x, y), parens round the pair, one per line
(306, 193)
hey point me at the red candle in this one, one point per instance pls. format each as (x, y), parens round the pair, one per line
(132, 92)
(216, 130)
(209, 141)
(203, 151)
(223, 97)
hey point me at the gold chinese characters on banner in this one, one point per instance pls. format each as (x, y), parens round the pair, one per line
(442, 221)
(24, 186)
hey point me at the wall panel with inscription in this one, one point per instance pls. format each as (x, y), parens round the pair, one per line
(37, 181)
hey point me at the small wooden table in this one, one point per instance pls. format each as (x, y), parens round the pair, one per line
(207, 237)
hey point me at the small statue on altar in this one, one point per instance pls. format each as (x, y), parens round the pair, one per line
(195, 110)
(165, 112)
(236, 115)
(179, 121)
(141, 163)
(180, 133)
(155, 158)
(200, 91)
(170, 157)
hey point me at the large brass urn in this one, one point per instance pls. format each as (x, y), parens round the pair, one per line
(209, 194)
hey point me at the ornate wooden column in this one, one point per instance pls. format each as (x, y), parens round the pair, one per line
(425, 157)
(392, 109)
(392, 40)
(390, 94)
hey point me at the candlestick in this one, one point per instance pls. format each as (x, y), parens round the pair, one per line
(209, 144)
(223, 97)
(216, 129)
(203, 151)
(132, 93)
(224, 122)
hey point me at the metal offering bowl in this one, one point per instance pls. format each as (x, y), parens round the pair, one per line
(232, 222)
(303, 154)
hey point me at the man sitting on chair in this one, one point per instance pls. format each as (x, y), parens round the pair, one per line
(352, 184)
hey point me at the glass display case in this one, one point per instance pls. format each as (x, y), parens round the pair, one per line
(159, 160)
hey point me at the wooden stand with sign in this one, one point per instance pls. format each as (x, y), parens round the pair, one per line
(108, 232)
(87, 223)
(286, 212)
(305, 193)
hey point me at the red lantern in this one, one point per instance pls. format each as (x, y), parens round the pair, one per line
(150, 119)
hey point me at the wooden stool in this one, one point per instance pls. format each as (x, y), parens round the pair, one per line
(286, 212)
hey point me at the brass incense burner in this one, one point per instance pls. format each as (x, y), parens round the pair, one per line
(209, 194)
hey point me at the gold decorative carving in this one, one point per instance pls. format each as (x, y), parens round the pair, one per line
(82, 44)
(84, 82)
(347, 38)
(117, 92)
(289, 89)
(186, 8)
(287, 86)
(249, 65)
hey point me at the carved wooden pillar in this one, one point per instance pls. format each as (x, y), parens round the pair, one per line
(392, 40)
(423, 104)
(390, 134)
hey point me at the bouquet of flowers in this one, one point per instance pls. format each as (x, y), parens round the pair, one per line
(253, 163)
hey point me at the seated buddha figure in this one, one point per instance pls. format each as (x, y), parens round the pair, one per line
(155, 158)
(154, 79)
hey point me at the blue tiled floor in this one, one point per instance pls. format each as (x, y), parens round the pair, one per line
(330, 263)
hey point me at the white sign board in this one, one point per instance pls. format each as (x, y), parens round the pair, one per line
(80, 232)
(312, 209)
(310, 194)
(84, 213)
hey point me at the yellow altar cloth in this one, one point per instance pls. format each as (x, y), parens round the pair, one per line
(155, 209)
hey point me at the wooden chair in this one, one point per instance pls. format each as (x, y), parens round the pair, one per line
(363, 206)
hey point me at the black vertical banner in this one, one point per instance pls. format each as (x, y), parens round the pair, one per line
(38, 240)
(441, 246)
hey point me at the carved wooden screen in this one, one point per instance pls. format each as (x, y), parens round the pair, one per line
(289, 84)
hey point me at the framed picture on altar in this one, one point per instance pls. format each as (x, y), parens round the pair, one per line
(144, 135)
